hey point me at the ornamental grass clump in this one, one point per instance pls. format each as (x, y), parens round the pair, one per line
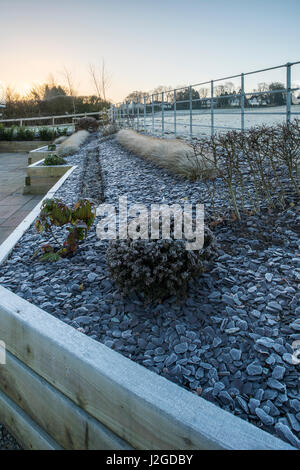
(157, 268)
(77, 220)
(172, 154)
(72, 144)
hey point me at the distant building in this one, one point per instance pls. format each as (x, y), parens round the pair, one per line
(235, 102)
(135, 106)
(206, 102)
(166, 104)
(296, 98)
(257, 100)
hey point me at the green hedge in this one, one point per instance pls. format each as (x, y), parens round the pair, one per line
(24, 133)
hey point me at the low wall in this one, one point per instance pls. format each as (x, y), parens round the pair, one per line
(38, 154)
(21, 146)
(41, 178)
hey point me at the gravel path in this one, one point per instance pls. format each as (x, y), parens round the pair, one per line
(231, 341)
(7, 442)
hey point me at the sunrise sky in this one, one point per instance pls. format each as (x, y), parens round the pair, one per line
(144, 43)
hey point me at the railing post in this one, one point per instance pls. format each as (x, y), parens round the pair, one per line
(242, 102)
(145, 110)
(212, 124)
(191, 112)
(138, 115)
(288, 93)
(111, 113)
(133, 114)
(152, 116)
(162, 114)
(175, 109)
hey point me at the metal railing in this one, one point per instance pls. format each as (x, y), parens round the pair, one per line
(163, 113)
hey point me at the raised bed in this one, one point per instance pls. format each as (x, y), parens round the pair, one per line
(62, 389)
(41, 178)
(21, 146)
(38, 154)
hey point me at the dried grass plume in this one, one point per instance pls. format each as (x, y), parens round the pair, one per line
(172, 154)
(72, 144)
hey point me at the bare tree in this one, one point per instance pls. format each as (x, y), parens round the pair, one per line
(261, 87)
(10, 94)
(105, 80)
(95, 80)
(101, 79)
(70, 84)
(136, 96)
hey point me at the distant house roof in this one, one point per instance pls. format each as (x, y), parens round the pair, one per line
(295, 99)
(258, 100)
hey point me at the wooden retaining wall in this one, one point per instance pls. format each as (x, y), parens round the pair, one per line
(15, 146)
(41, 179)
(61, 389)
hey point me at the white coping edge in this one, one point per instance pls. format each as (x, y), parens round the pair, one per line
(35, 164)
(40, 149)
(40, 161)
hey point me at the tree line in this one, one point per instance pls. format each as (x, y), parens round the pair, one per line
(226, 94)
(54, 98)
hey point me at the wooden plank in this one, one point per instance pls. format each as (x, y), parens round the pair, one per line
(141, 407)
(25, 431)
(70, 426)
(63, 116)
(52, 171)
(20, 146)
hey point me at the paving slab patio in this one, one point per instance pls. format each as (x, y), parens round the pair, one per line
(14, 205)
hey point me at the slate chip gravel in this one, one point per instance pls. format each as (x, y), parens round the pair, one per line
(229, 341)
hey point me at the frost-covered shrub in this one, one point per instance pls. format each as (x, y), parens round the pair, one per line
(86, 123)
(46, 133)
(109, 129)
(53, 160)
(24, 134)
(72, 144)
(158, 268)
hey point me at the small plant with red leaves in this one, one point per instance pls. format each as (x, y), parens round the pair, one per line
(77, 219)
